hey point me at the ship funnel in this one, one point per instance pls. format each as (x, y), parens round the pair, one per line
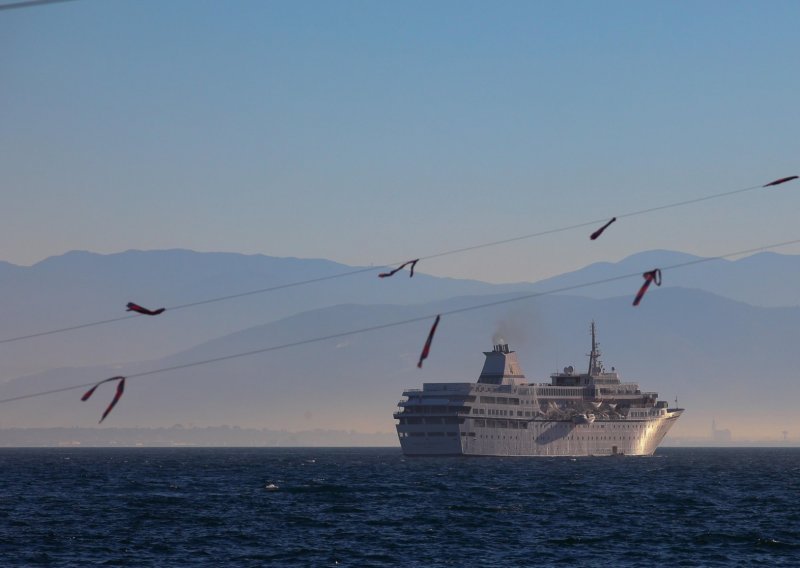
(501, 367)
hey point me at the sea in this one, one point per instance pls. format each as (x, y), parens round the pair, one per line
(374, 507)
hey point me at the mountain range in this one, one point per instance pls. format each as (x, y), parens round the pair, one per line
(715, 335)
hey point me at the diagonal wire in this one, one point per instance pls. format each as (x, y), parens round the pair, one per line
(30, 4)
(374, 268)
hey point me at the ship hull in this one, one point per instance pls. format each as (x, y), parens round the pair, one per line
(539, 438)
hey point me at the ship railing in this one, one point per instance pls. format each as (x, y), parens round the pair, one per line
(455, 387)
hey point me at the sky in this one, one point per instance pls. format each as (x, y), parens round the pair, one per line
(374, 132)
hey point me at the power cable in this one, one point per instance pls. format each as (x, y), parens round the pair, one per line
(374, 268)
(30, 4)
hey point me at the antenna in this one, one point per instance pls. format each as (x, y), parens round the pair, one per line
(595, 366)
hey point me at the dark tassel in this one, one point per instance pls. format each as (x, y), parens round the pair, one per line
(779, 181)
(117, 396)
(652, 276)
(137, 308)
(427, 348)
(413, 263)
(599, 231)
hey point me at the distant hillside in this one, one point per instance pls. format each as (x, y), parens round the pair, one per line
(765, 279)
(723, 359)
(80, 287)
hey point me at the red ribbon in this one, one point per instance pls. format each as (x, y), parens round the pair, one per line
(117, 396)
(599, 231)
(427, 348)
(413, 263)
(779, 181)
(649, 277)
(137, 308)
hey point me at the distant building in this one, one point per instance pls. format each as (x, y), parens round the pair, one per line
(719, 436)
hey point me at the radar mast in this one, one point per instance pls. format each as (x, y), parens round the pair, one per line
(595, 365)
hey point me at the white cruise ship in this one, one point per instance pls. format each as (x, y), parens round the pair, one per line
(576, 414)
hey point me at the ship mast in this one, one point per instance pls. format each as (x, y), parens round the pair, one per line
(595, 366)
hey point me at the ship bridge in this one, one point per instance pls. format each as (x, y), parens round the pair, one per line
(596, 375)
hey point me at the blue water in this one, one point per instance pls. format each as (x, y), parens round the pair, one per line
(373, 507)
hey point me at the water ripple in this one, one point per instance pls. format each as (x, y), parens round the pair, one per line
(373, 507)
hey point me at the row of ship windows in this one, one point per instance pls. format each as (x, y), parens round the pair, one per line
(435, 409)
(495, 412)
(523, 390)
(548, 392)
(521, 425)
(501, 400)
(480, 422)
(473, 435)
(442, 420)
(489, 423)
(434, 434)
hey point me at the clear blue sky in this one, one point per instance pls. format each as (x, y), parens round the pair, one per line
(369, 132)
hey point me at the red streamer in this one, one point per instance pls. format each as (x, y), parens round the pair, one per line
(652, 276)
(413, 263)
(779, 181)
(599, 231)
(137, 308)
(117, 396)
(427, 348)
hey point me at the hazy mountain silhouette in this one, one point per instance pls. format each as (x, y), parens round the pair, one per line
(764, 279)
(80, 287)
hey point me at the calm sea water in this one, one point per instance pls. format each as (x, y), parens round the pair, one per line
(373, 507)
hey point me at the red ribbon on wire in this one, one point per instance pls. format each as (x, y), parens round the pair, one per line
(649, 277)
(117, 396)
(413, 263)
(599, 231)
(779, 181)
(427, 348)
(137, 308)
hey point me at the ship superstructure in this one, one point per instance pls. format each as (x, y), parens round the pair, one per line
(576, 414)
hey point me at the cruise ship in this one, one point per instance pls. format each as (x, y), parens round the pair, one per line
(576, 414)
